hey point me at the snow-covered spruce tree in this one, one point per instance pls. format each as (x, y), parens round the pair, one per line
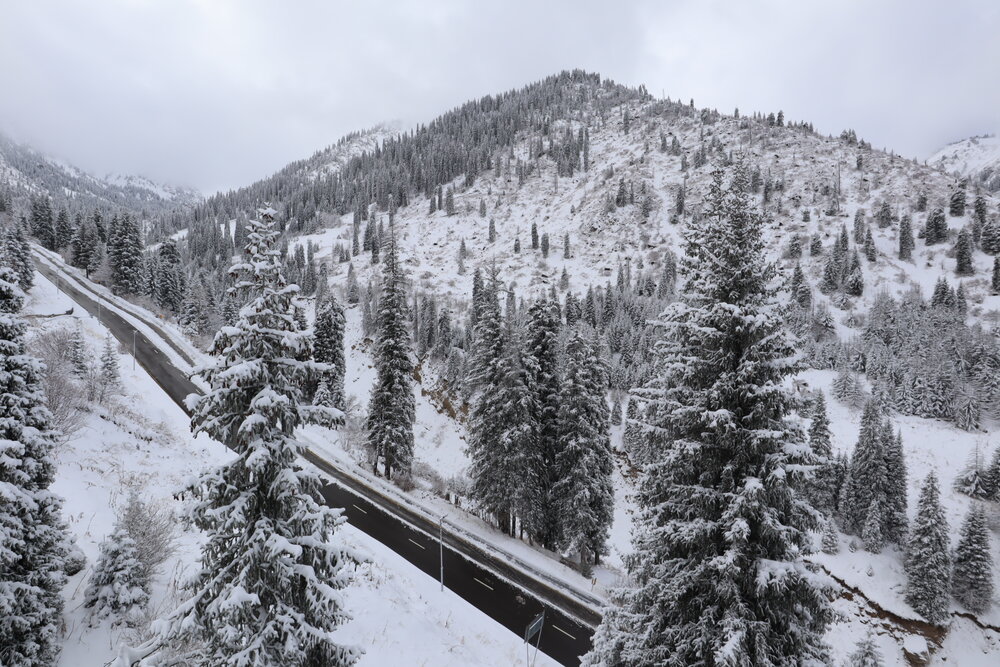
(541, 362)
(583, 491)
(118, 588)
(859, 226)
(866, 477)
(328, 346)
(77, 353)
(822, 486)
(972, 576)
(928, 567)
(894, 521)
(353, 290)
(32, 535)
(717, 576)
(64, 230)
(963, 253)
(15, 252)
(271, 569)
(85, 246)
(391, 408)
(501, 432)
(830, 543)
(866, 654)
(973, 478)
(872, 534)
(991, 478)
(110, 380)
(169, 277)
(323, 395)
(906, 244)
(634, 444)
(956, 207)
(125, 255)
(936, 229)
(195, 314)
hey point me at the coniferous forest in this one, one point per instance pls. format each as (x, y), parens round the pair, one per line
(709, 387)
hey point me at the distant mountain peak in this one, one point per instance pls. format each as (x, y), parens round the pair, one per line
(26, 171)
(977, 157)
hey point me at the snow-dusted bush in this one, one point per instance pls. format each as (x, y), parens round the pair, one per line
(866, 654)
(75, 561)
(973, 479)
(61, 382)
(118, 588)
(425, 471)
(152, 527)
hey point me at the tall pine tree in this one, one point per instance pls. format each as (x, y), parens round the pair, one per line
(928, 566)
(328, 346)
(583, 491)
(717, 573)
(972, 576)
(267, 592)
(391, 408)
(541, 361)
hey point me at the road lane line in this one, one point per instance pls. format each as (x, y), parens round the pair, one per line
(358, 508)
(417, 543)
(484, 584)
(563, 631)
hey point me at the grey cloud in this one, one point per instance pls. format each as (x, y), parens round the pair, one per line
(218, 93)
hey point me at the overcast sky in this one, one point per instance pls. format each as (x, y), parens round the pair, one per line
(217, 93)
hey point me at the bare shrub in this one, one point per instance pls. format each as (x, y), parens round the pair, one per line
(354, 434)
(404, 481)
(63, 391)
(423, 470)
(458, 486)
(152, 527)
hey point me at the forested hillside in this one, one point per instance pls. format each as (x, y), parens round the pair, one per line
(523, 306)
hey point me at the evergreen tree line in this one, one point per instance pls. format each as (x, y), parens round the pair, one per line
(33, 537)
(919, 357)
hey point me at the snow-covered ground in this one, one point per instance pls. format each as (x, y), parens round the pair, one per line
(143, 443)
(810, 167)
(969, 157)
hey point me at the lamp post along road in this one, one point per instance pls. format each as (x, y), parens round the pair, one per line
(441, 547)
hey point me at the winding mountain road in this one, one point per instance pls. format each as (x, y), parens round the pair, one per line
(491, 581)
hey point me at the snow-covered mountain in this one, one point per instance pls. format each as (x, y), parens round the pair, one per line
(26, 172)
(976, 157)
(641, 174)
(607, 179)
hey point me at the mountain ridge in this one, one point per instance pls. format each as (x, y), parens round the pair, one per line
(26, 172)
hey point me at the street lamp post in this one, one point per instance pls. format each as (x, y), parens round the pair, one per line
(441, 547)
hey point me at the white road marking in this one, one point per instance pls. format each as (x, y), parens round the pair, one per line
(484, 584)
(358, 508)
(417, 543)
(563, 631)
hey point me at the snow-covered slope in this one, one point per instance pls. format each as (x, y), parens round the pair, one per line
(814, 186)
(975, 157)
(830, 178)
(806, 171)
(25, 171)
(140, 441)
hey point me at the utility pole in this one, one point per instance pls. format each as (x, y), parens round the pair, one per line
(441, 547)
(133, 349)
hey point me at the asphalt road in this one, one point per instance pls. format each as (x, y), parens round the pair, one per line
(506, 593)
